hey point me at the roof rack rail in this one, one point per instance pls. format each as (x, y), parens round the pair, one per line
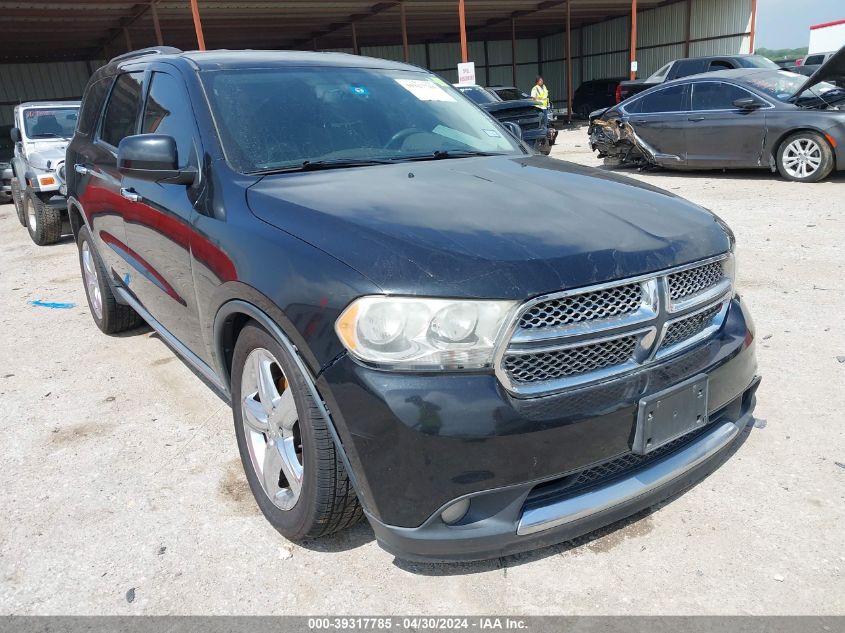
(152, 50)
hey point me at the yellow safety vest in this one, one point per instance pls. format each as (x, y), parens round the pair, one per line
(541, 93)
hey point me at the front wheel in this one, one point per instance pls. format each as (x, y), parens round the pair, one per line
(18, 200)
(805, 157)
(291, 462)
(44, 222)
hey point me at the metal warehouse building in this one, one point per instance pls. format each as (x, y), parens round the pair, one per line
(50, 48)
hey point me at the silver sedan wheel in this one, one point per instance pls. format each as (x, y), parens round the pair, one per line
(92, 284)
(271, 428)
(802, 157)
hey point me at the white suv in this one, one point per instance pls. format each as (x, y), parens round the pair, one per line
(41, 133)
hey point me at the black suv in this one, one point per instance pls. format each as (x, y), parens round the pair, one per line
(416, 319)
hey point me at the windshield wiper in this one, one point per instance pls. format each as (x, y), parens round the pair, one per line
(442, 154)
(316, 165)
(47, 135)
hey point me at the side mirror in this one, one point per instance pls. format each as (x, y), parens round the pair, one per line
(748, 103)
(15, 133)
(514, 129)
(153, 157)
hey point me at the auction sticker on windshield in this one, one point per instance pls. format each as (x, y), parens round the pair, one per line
(425, 90)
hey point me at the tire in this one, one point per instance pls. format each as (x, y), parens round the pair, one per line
(109, 315)
(805, 157)
(323, 501)
(43, 222)
(18, 200)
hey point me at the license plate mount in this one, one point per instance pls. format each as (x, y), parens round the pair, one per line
(669, 414)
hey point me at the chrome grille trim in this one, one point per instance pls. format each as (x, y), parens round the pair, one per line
(587, 306)
(560, 324)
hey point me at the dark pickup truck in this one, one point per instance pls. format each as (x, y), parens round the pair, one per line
(691, 66)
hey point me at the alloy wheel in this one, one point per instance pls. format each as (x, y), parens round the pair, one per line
(802, 157)
(92, 282)
(271, 428)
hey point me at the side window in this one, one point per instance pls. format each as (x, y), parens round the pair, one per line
(167, 112)
(715, 95)
(667, 100)
(719, 64)
(92, 103)
(122, 109)
(687, 67)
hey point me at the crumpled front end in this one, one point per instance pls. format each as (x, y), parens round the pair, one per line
(617, 141)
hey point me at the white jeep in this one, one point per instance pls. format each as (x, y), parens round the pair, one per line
(41, 133)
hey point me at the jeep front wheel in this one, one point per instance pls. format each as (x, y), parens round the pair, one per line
(43, 221)
(18, 200)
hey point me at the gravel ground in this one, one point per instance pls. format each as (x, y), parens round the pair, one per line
(122, 493)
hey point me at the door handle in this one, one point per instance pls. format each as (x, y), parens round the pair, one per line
(80, 169)
(129, 194)
(695, 119)
(641, 121)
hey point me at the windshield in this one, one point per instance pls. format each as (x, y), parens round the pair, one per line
(511, 94)
(782, 85)
(49, 122)
(273, 119)
(478, 95)
(757, 61)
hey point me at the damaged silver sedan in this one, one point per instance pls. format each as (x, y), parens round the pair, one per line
(742, 118)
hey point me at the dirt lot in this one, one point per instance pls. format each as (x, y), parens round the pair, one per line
(121, 491)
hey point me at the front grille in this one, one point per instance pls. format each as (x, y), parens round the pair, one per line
(578, 337)
(589, 306)
(690, 282)
(541, 366)
(527, 118)
(684, 329)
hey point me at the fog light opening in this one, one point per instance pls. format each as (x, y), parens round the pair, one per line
(455, 512)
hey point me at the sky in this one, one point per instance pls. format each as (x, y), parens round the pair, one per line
(786, 23)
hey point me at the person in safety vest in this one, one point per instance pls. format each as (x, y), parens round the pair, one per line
(540, 94)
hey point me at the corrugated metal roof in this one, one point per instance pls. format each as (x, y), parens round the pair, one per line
(81, 29)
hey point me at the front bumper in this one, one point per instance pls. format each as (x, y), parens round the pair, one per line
(417, 443)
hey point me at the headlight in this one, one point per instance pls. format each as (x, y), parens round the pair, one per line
(424, 334)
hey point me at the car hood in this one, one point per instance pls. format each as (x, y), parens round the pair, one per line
(496, 227)
(833, 70)
(46, 154)
(503, 106)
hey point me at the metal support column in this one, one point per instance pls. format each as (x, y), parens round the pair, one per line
(688, 28)
(633, 37)
(513, 51)
(195, 11)
(463, 24)
(568, 63)
(355, 40)
(753, 25)
(127, 39)
(156, 24)
(405, 48)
